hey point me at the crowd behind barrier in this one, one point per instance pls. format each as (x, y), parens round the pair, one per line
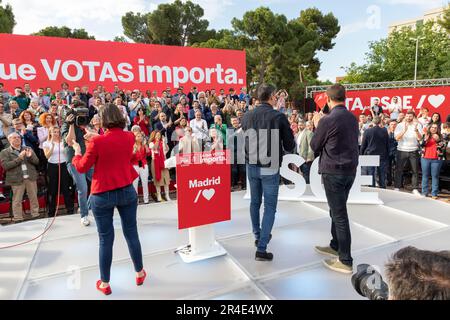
(37, 127)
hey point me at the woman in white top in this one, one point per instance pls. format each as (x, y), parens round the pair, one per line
(57, 173)
(395, 108)
(199, 126)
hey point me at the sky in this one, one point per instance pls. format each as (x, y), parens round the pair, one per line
(361, 21)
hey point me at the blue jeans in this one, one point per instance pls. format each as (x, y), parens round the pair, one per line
(267, 185)
(337, 188)
(102, 205)
(381, 171)
(82, 188)
(433, 167)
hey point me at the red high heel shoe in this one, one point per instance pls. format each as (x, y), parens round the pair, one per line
(140, 280)
(106, 291)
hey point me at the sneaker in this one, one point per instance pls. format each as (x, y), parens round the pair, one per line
(328, 251)
(166, 195)
(336, 265)
(257, 241)
(434, 197)
(263, 256)
(417, 193)
(85, 221)
(37, 215)
(396, 189)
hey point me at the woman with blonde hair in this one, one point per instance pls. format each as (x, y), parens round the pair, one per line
(46, 121)
(139, 162)
(160, 173)
(57, 172)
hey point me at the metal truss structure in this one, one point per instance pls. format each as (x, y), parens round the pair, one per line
(310, 90)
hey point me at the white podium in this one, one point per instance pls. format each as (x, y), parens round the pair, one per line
(202, 245)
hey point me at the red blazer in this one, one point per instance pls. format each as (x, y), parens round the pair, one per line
(111, 155)
(140, 155)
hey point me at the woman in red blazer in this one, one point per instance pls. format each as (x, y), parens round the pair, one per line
(112, 187)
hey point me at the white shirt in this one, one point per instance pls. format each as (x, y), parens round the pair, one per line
(409, 141)
(199, 128)
(424, 121)
(395, 109)
(42, 133)
(58, 155)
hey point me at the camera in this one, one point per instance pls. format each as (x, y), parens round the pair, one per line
(81, 116)
(368, 283)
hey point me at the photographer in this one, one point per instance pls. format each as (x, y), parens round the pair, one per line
(71, 130)
(412, 274)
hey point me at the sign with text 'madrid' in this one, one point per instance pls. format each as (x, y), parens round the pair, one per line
(204, 188)
(436, 99)
(48, 62)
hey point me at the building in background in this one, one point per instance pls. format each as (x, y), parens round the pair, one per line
(430, 15)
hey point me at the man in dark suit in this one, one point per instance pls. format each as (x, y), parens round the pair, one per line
(336, 141)
(375, 142)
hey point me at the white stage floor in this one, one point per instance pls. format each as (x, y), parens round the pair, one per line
(64, 263)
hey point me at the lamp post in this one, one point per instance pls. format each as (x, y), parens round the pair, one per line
(417, 55)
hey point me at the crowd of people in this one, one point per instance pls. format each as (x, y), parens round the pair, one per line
(37, 127)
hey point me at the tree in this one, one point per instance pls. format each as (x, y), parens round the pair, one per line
(445, 21)
(7, 20)
(174, 23)
(64, 32)
(135, 27)
(120, 39)
(279, 51)
(393, 58)
(325, 25)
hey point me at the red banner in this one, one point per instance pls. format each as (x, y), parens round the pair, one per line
(204, 188)
(436, 99)
(48, 62)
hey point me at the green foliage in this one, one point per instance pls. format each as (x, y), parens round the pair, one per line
(393, 58)
(64, 32)
(7, 20)
(174, 23)
(135, 27)
(325, 25)
(278, 50)
(445, 21)
(120, 39)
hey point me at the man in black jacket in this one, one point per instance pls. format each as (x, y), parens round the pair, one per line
(336, 141)
(375, 142)
(265, 131)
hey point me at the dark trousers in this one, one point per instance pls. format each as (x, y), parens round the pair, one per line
(102, 205)
(238, 174)
(390, 170)
(402, 158)
(380, 171)
(337, 188)
(52, 191)
(305, 169)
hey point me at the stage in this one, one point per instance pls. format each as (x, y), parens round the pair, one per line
(64, 263)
